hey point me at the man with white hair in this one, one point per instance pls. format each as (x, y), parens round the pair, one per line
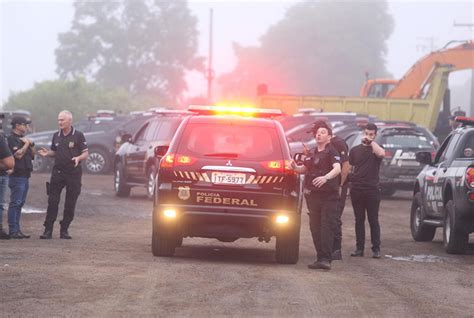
(68, 148)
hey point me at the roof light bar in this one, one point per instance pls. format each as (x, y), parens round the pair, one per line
(232, 110)
(465, 121)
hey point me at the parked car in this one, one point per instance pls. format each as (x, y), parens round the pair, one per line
(135, 163)
(100, 133)
(401, 141)
(443, 194)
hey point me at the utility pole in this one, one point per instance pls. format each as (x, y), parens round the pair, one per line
(210, 71)
(470, 26)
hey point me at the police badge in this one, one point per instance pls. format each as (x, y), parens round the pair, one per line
(184, 193)
(71, 144)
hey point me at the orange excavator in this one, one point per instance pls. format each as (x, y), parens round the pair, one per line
(412, 84)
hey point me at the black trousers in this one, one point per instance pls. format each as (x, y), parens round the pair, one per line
(59, 180)
(340, 208)
(322, 223)
(366, 201)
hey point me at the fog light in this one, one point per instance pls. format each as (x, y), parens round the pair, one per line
(169, 213)
(282, 219)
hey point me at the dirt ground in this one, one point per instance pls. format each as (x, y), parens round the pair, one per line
(107, 269)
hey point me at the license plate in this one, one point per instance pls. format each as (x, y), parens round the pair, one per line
(228, 178)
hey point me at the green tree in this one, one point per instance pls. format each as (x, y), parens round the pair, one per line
(46, 99)
(144, 47)
(319, 47)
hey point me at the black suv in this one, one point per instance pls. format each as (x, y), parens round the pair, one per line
(135, 163)
(443, 194)
(227, 176)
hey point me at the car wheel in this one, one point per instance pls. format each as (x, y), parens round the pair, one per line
(419, 231)
(288, 243)
(97, 162)
(151, 181)
(455, 239)
(121, 188)
(162, 244)
(40, 164)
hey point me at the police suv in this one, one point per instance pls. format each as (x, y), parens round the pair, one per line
(444, 191)
(227, 175)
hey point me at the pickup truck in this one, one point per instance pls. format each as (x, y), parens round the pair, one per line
(443, 193)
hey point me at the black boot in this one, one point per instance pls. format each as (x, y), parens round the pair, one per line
(63, 232)
(48, 233)
(4, 235)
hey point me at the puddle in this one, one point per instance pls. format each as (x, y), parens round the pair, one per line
(30, 210)
(422, 258)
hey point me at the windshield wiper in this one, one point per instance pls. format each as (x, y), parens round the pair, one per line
(222, 154)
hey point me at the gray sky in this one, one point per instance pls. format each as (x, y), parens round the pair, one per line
(29, 32)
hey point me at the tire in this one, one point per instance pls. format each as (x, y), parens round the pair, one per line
(288, 244)
(121, 189)
(419, 231)
(40, 164)
(98, 162)
(150, 185)
(455, 239)
(162, 244)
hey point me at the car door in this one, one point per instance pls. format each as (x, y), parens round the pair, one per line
(135, 152)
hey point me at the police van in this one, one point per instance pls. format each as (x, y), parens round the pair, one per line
(227, 175)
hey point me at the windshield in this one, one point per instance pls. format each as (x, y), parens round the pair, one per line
(243, 142)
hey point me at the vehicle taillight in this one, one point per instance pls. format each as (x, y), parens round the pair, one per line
(433, 155)
(171, 160)
(388, 154)
(278, 165)
(470, 177)
(167, 161)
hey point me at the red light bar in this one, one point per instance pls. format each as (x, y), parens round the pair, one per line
(242, 111)
(465, 120)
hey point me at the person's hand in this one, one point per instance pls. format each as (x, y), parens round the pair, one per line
(293, 164)
(76, 161)
(9, 172)
(318, 182)
(305, 149)
(43, 152)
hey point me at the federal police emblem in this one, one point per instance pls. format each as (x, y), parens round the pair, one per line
(184, 193)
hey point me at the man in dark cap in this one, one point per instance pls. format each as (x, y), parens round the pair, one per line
(452, 119)
(22, 149)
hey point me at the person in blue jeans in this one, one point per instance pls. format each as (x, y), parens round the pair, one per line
(23, 152)
(6, 163)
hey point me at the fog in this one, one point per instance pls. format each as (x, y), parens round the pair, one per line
(29, 32)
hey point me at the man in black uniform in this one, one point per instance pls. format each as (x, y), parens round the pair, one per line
(69, 148)
(322, 182)
(22, 149)
(365, 196)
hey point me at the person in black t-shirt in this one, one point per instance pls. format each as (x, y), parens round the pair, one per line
(69, 148)
(23, 151)
(6, 163)
(322, 181)
(365, 196)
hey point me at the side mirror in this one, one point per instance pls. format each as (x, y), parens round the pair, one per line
(126, 138)
(160, 151)
(299, 157)
(424, 157)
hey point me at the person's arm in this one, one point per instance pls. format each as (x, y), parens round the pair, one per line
(20, 153)
(377, 150)
(43, 152)
(320, 181)
(298, 168)
(83, 156)
(82, 144)
(7, 163)
(345, 168)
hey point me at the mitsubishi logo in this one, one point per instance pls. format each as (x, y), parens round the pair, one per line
(229, 163)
